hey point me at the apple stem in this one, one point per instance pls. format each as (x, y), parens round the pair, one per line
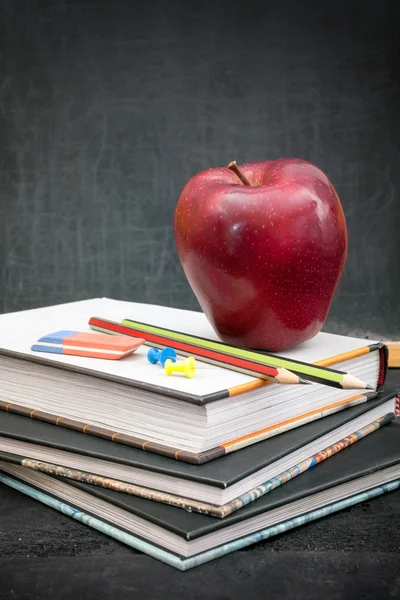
(233, 167)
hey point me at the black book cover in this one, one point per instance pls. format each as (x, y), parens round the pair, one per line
(220, 473)
(373, 453)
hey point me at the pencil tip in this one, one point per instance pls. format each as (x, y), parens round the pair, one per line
(369, 387)
(304, 381)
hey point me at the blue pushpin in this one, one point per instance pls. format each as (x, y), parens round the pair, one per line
(154, 355)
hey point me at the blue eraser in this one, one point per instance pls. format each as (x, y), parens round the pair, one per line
(52, 349)
(57, 337)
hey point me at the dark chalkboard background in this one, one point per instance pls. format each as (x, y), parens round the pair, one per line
(108, 108)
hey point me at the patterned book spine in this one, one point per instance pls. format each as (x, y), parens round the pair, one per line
(120, 486)
(307, 464)
(203, 507)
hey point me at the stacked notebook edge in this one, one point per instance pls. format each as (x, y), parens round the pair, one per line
(332, 449)
(185, 540)
(218, 488)
(215, 391)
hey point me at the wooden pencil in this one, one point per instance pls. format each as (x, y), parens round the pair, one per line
(394, 354)
(247, 361)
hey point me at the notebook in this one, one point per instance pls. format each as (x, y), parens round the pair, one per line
(133, 402)
(185, 540)
(219, 487)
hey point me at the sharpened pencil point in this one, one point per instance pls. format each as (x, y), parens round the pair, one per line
(369, 387)
(305, 381)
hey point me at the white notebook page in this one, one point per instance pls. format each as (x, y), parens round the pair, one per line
(18, 331)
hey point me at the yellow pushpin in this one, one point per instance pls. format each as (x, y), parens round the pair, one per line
(188, 367)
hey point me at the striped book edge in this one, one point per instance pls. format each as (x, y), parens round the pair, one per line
(192, 505)
(177, 453)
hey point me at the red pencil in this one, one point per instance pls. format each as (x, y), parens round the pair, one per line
(273, 374)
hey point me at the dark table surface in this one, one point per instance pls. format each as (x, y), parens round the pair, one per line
(352, 554)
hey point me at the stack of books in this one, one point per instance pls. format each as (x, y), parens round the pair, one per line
(189, 469)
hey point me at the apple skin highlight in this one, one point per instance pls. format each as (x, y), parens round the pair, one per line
(264, 260)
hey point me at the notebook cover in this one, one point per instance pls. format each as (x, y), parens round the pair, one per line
(19, 330)
(378, 451)
(200, 506)
(184, 564)
(184, 455)
(220, 473)
(15, 342)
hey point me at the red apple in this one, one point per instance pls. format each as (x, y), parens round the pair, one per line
(263, 247)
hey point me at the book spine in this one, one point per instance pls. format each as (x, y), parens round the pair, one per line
(112, 436)
(383, 364)
(383, 350)
(306, 464)
(118, 486)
